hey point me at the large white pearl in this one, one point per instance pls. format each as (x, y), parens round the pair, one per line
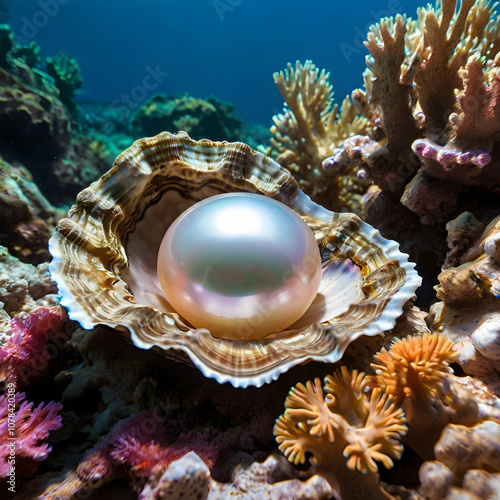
(241, 265)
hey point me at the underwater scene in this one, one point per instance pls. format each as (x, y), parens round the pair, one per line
(249, 250)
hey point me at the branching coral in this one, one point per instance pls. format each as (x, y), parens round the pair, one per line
(347, 430)
(23, 431)
(310, 130)
(431, 139)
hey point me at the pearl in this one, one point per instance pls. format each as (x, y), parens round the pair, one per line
(241, 265)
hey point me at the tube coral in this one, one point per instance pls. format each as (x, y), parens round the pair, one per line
(346, 429)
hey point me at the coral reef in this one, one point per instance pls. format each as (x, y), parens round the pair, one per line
(415, 153)
(346, 429)
(32, 111)
(310, 130)
(355, 420)
(428, 138)
(200, 118)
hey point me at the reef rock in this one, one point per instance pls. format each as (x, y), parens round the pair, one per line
(469, 311)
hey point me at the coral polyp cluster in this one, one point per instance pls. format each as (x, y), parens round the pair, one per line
(345, 427)
(414, 366)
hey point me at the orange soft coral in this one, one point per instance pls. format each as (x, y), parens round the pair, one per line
(414, 366)
(346, 429)
(415, 371)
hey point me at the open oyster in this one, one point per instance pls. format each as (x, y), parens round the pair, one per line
(105, 254)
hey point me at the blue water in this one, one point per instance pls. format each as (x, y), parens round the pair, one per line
(128, 50)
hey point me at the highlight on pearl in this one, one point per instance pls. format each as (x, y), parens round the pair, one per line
(241, 265)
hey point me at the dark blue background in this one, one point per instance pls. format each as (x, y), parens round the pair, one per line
(228, 48)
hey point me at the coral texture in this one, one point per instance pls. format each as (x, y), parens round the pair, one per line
(23, 287)
(189, 476)
(310, 130)
(428, 139)
(24, 443)
(469, 289)
(27, 219)
(36, 340)
(345, 428)
(467, 464)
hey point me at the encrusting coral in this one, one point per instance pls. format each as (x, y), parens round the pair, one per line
(346, 429)
(467, 464)
(190, 475)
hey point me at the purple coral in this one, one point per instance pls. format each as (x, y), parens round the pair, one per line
(448, 157)
(36, 339)
(23, 432)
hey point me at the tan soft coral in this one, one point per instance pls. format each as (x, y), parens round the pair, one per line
(310, 130)
(346, 428)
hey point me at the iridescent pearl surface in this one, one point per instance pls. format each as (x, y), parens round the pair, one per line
(241, 265)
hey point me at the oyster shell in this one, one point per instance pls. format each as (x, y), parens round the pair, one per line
(104, 260)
